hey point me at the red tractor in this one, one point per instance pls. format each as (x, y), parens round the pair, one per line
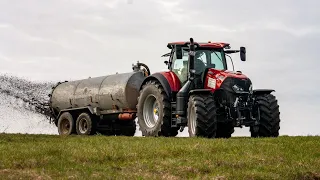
(199, 92)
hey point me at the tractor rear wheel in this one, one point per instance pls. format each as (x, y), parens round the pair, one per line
(225, 130)
(153, 111)
(269, 123)
(202, 119)
(66, 124)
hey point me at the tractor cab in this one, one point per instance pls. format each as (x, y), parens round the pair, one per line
(207, 55)
(199, 93)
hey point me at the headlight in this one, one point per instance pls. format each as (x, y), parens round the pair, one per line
(236, 88)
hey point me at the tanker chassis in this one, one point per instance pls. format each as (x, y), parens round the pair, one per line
(197, 92)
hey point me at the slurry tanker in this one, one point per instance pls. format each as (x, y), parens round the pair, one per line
(197, 92)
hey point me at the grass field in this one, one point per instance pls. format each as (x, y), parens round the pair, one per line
(101, 157)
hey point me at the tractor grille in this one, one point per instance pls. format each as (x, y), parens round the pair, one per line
(230, 81)
(229, 96)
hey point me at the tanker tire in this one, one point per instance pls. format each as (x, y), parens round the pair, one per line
(202, 118)
(85, 124)
(66, 125)
(225, 130)
(269, 124)
(125, 128)
(163, 126)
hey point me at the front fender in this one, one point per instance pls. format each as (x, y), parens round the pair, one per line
(200, 91)
(262, 91)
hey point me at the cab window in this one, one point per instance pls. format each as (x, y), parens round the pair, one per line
(217, 60)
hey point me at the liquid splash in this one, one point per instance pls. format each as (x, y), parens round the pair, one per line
(23, 104)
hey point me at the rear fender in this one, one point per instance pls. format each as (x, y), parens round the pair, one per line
(262, 91)
(167, 85)
(172, 79)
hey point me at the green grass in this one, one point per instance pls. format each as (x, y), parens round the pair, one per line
(101, 157)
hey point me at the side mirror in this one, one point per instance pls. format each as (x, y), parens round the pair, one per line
(166, 62)
(178, 52)
(243, 53)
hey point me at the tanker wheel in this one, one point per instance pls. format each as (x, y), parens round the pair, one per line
(66, 124)
(202, 118)
(125, 127)
(154, 111)
(85, 124)
(269, 123)
(225, 130)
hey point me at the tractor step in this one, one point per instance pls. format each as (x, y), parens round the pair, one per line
(173, 108)
(173, 114)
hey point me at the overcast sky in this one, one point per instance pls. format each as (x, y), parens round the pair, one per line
(74, 39)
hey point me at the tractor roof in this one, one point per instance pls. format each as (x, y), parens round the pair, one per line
(201, 44)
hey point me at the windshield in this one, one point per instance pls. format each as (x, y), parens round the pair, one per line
(204, 58)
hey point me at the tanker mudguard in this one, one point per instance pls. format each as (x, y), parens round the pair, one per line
(163, 81)
(262, 91)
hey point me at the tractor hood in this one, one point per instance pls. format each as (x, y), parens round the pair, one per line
(228, 80)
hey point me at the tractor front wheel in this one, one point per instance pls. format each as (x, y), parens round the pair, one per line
(202, 119)
(269, 123)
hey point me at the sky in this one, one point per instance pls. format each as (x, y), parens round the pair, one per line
(57, 40)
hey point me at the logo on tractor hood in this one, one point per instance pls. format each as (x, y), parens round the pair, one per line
(221, 74)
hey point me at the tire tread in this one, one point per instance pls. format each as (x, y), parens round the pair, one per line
(206, 115)
(269, 116)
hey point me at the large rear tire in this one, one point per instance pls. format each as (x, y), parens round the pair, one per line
(269, 124)
(66, 124)
(153, 111)
(202, 119)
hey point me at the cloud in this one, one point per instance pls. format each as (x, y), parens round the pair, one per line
(300, 31)
(90, 35)
(173, 11)
(3, 25)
